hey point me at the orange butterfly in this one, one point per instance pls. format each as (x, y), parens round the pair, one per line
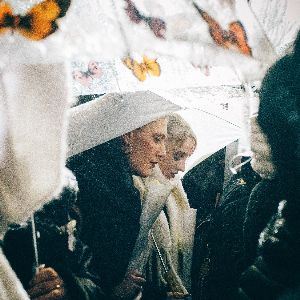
(140, 70)
(234, 38)
(39, 21)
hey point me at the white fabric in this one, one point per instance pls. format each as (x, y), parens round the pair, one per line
(172, 238)
(33, 99)
(108, 33)
(176, 237)
(10, 286)
(154, 197)
(113, 115)
(280, 21)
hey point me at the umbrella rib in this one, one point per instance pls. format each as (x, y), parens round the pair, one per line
(204, 111)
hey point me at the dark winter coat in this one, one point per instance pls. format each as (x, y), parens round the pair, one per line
(262, 205)
(110, 207)
(57, 248)
(276, 271)
(219, 241)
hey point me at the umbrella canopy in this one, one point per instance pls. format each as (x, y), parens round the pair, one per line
(214, 113)
(113, 115)
(235, 33)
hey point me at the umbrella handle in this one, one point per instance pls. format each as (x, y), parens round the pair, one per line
(37, 266)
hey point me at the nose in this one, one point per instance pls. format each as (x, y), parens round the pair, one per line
(161, 151)
(181, 165)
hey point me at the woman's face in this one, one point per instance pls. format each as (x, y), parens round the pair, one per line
(176, 157)
(146, 146)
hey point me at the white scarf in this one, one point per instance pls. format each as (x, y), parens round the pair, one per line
(174, 238)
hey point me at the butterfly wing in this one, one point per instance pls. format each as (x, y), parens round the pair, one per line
(152, 66)
(215, 30)
(139, 71)
(128, 62)
(64, 6)
(40, 21)
(6, 15)
(240, 37)
(133, 13)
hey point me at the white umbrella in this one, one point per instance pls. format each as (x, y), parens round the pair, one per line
(113, 115)
(107, 29)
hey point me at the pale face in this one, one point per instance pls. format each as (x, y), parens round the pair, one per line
(82, 78)
(176, 157)
(94, 69)
(146, 146)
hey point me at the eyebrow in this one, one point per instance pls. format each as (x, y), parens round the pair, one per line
(161, 135)
(181, 153)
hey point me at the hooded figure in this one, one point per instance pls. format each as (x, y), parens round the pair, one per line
(248, 204)
(108, 200)
(276, 271)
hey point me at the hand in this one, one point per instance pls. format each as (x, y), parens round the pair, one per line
(131, 285)
(176, 295)
(47, 285)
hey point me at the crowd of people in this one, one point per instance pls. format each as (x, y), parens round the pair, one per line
(123, 226)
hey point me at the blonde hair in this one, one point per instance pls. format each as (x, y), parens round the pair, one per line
(179, 130)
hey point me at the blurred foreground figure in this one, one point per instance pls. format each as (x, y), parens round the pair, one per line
(34, 96)
(276, 271)
(231, 234)
(33, 102)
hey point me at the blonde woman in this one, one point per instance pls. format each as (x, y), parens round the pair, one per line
(167, 219)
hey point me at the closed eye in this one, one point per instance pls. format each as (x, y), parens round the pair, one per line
(159, 138)
(179, 155)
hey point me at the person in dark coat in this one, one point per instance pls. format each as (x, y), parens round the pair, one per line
(219, 241)
(65, 271)
(111, 205)
(272, 271)
(275, 273)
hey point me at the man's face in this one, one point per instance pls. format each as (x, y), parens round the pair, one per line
(146, 146)
(176, 157)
